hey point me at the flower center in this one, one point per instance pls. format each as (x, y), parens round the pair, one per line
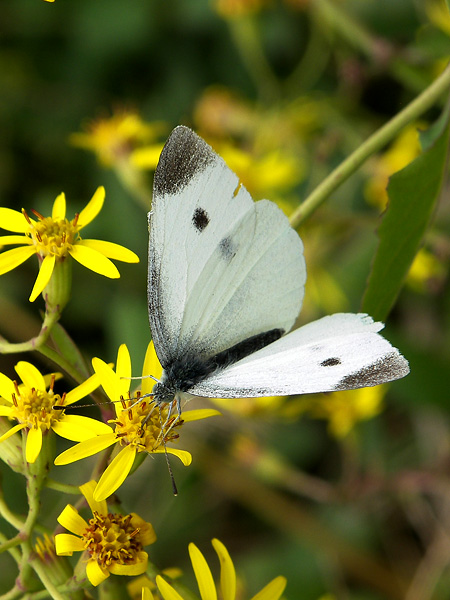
(135, 426)
(54, 237)
(35, 407)
(113, 538)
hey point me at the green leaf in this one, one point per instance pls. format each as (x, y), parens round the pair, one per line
(430, 135)
(448, 4)
(413, 194)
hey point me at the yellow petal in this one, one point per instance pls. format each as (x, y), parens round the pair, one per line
(72, 521)
(78, 428)
(6, 411)
(14, 239)
(146, 594)
(85, 449)
(183, 455)
(152, 366)
(59, 207)
(203, 575)
(111, 250)
(166, 590)
(116, 473)
(82, 390)
(92, 208)
(7, 388)
(146, 158)
(109, 380)
(34, 444)
(95, 573)
(44, 275)
(88, 489)
(273, 590)
(136, 568)
(123, 368)
(12, 431)
(11, 259)
(66, 544)
(200, 413)
(93, 260)
(13, 220)
(227, 572)
(30, 375)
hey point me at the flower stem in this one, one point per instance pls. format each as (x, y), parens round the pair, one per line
(35, 343)
(373, 144)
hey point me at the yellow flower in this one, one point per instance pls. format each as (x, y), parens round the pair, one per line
(425, 270)
(32, 405)
(238, 8)
(113, 542)
(344, 409)
(139, 427)
(403, 151)
(205, 581)
(55, 238)
(122, 137)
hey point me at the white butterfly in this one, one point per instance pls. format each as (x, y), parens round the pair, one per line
(225, 285)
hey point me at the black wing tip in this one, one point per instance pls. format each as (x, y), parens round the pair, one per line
(390, 367)
(184, 155)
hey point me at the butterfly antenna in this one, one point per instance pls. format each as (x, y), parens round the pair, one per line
(169, 467)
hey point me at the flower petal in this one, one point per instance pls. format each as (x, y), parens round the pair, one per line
(95, 573)
(94, 260)
(14, 239)
(12, 431)
(227, 571)
(30, 375)
(111, 250)
(147, 157)
(166, 590)
(116, 473)
(78, 428)
(13, 220)
(88, 489)
(109, 380)
(123, 367)
(92, 208)
(200, 413)
(11, 259)
(59, 207)
(136, 568)
(71, 520)
(151, 366)
(183, 455)
(6, 411)
(66, 544)
(34, 444)
(273, 590)
(85, 449)
(82, 390)
(146, 594)
(7, 388)
(203, 575)
(44, 275)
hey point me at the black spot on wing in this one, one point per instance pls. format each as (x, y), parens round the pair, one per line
(184, 155)
(331, 362)
(389, 367)
(227, 248)
(200, 219)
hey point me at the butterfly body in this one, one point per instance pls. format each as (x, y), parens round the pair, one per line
(226, 284)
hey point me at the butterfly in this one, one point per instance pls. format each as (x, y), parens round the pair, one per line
(226, 280)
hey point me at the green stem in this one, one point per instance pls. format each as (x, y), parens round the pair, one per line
(35, 343)
(372, 145)
(248, 43)
(46, 580)
(65, 488)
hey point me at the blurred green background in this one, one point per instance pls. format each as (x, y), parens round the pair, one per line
(284, 90)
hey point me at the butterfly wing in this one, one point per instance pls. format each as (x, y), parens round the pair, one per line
(222, 268)
(338, 352)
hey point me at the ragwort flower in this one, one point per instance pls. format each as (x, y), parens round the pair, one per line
(32, 403)
(122, 137)
(56, 238)
(113, 542)
(139, 427)
(205, 581)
